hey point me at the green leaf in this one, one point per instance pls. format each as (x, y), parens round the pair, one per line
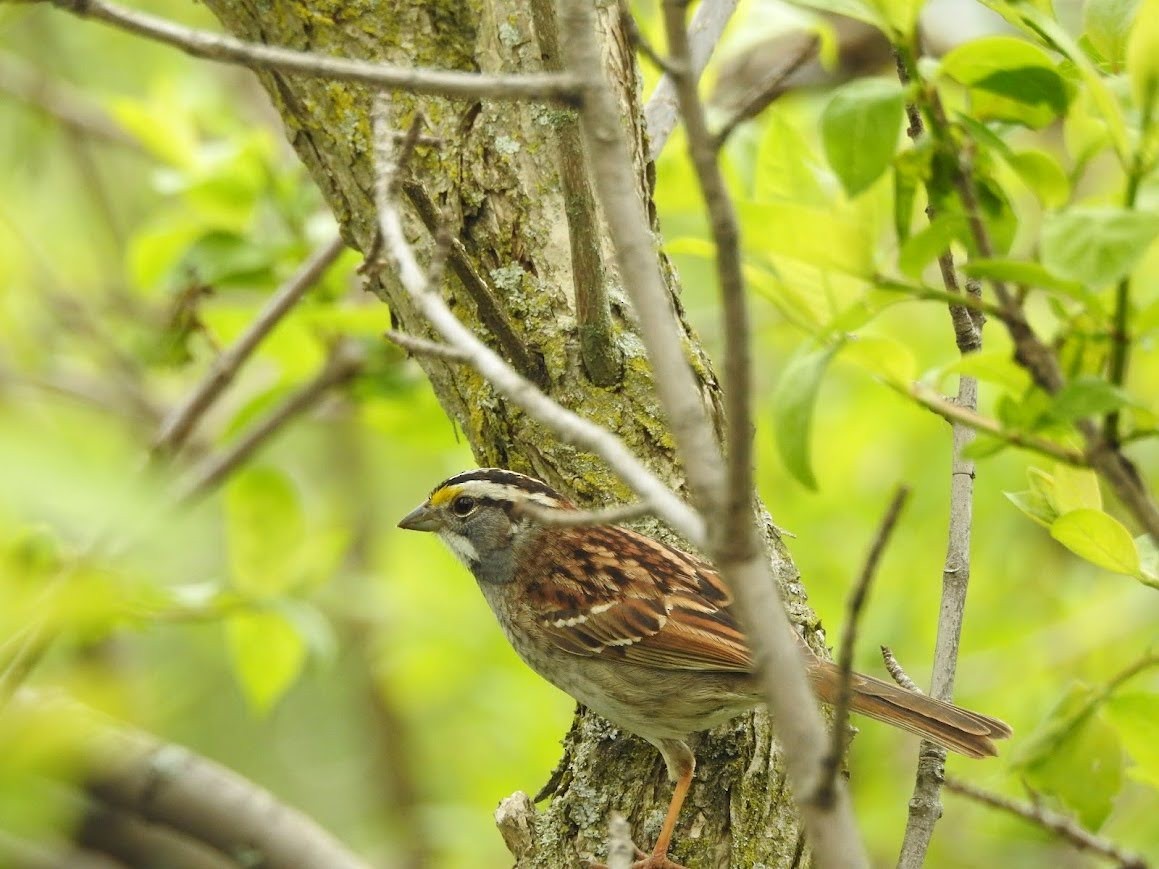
(1042, 174)
(267, 654)
(1134, 717)
(787, 167)
(1010, 79)
(1143, 54)
(265, 531)
(859, 128)
(1098, 538)
(1031, 275)
(1107, 23)
(1075, 488)
(882, 356)
(794, 401)
(923, 247)
(1082, 398)
(1034, 505)
(809, 234)
(856, 9)
(992, 366)
(1097, 245)
(1075, 757)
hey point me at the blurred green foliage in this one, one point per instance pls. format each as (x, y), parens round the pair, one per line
(285, 627)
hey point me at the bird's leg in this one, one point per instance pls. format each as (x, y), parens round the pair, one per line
(681, 765)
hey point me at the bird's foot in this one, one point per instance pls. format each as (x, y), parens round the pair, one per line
(646, 861)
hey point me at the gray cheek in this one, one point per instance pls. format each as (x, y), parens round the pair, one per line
(495, 567)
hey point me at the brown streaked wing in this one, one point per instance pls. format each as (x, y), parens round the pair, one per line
(643, 601)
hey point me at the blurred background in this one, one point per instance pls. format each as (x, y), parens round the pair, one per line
(282, 625)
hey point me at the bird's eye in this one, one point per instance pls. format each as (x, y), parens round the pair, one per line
(463, 505)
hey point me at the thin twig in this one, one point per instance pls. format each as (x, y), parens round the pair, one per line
(423, 347)
(660, 114)
(68, 106)
(953, 297)
(893, 666)
(831, 762)
(1063, 826)
(227, 49)
(571, 427)
(767, 91)
(582, 518)
(924, 807)
(180, 422)
(740, 539)
(955, 413)
(343, 363)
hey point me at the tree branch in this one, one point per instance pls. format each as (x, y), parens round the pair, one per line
(569, 426)
(227, 49)
(181, 421)
(343, 363)
(660, 113)
(831, 763)
(957, 413)
(173, 786)
(776, 648)
(1064, 827)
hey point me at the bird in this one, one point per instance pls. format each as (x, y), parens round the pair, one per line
(639, 631)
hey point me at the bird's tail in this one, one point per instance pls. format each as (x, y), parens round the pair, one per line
(950, 726)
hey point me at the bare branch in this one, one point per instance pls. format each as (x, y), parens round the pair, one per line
(831, 762)
(639, 267)
(172, 786)
(769, 89)
(833, 834)
(660, 114)
(343, 364)
(180, 422)
(227, 49)
(1063, 826)
(895, 670)
(959, 414)
(740, 539)
(65, 104)
(580, 518)
(423, 347)
(138, 842)
(569, 426)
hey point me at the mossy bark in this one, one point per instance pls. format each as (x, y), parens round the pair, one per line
(494, 179)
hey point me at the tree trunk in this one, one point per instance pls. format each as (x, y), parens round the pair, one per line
(494, 179)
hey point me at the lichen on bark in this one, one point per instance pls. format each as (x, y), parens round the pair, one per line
(493, 176)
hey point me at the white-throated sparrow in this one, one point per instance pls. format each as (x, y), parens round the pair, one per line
(636, 630)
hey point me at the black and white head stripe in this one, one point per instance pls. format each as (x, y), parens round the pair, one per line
(498, 485)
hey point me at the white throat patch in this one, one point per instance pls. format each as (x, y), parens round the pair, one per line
(463, 548)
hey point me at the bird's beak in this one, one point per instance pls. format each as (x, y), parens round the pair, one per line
(421, 518)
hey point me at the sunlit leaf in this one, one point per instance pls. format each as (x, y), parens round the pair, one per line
(1134, 717)
(882, 356)
(926, 245)
(1042, 174)
(1107, 24)
(266, 531)
(817, 236)
(1096, 245)
(1143, 53)
(1084, 397)
(1075, 488)
(267, 654)
(1013, 79)
(1099, 538)
(860, 126)
(794, 401)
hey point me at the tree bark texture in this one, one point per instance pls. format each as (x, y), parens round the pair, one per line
(494, 181)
